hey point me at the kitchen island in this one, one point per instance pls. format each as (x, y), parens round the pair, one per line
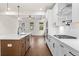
(14, 45)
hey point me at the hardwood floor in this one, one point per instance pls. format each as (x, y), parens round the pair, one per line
(38, 47)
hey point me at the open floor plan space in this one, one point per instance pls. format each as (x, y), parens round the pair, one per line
(39, 29)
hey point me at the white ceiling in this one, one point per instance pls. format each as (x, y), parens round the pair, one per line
(25, 8)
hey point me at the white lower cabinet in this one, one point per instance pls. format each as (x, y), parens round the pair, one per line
(64, 51)
(58, 48)
(49, 43)
(53, 46)
(67, 50)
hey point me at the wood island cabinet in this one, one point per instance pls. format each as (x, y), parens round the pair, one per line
(23, 46)
(14, 47)
(27, 43)
(10, 47)
(0, 48)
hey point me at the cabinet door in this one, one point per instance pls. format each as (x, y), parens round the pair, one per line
(10, 48)
(0, 47)
(68, 51)
(63, 50)
(27, 43)
(23, 48)
(53, 46)
(56, 49)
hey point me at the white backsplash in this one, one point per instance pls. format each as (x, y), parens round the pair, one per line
(65, 30)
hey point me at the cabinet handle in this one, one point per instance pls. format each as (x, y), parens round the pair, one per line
(62, 46)
(9, 45)
(53, 45)
(72, 54)
(64, 54)
(49, 40)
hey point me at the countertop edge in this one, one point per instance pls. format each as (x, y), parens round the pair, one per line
(16, 38)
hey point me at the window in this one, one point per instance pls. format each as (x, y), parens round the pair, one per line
(31, 25)
(41, 26)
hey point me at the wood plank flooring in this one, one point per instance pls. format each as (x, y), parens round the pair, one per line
(38, 47)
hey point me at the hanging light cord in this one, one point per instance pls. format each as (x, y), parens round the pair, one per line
(18, 10)
(7, 7)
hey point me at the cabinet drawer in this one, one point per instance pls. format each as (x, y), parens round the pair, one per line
(70, 51)
(9, 44)
(73, 52)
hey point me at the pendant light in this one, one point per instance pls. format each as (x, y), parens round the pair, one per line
(18, 12)
(7, 11)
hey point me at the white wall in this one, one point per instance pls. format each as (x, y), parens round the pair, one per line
(52, 17)
(36, 30)
(8, 24)
(75, 19)
(75, 12)
(36, 19)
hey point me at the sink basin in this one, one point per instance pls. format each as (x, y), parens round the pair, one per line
(65, 37)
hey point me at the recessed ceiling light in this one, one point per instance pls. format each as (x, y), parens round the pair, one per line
(9, 8)
(19, 18)
(41, 8)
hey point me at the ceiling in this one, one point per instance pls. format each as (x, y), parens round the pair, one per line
(25, 8)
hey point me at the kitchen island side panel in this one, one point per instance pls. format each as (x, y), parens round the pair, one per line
(0, 47)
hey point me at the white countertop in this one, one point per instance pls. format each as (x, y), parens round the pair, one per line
(12, 36)
(74, 43)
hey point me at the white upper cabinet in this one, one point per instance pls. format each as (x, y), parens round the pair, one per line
(64, 9)
(64, 13)
(60, 14)
(75, 12)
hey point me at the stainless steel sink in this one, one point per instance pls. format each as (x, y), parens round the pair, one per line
(65, 37)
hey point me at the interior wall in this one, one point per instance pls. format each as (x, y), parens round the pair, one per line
(51, 16)
(36, 30)
(8, 24)
(36, 19)
(75, 19)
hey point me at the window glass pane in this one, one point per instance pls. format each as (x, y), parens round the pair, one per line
(31, 25)
(41, 26)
